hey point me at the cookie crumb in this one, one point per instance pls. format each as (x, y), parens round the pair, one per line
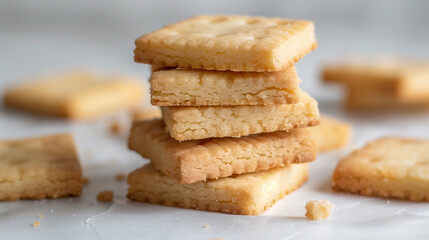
(36, 224)
(120, 176)
(318, 209)
(105, 196)
(206, 226)
(85, 181)
(40, 215)
(115, 127)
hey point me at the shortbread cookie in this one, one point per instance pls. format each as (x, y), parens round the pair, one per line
(367, 73)
(76, 95)
(36, 168)
(387, 167)
(331, 134)
(186, 87)
(318, 209)
(246, 194)
(235, 43)
(187, 123)
(375, 100)
(406, 80)
(147, 114)
(199, 160)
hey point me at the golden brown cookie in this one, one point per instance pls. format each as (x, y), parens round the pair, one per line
(189, 123)
(387, 167)
(199, 160)
(76, 95)
(404, 80)
(187, 87)
(246, 194)
(234, 43)
(331, 133)
(36, 168)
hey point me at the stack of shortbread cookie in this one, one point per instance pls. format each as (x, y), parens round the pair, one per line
(234, 118)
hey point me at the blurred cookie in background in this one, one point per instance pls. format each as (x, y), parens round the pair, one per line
(381, 82)
(75, 95)
(331, 134)
(146, 114)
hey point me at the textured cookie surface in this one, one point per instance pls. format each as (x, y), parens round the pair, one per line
(187, 123)
(76, 95)
(234, 43)
(331, 133)
(36, 168)
(199, 160)
(185, 87)
(318, 209)
(388, 167)
(246, 194)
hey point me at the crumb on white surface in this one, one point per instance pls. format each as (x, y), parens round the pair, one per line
(120, 176)
(105, 196)
(206, 226)
(318, 209)
(36, 224)
(115, 127)
(85, 181)
(40, 215)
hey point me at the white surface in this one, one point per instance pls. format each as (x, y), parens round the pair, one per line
(104, 155)
(45, 36)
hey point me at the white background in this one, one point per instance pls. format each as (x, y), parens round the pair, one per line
(45, 36)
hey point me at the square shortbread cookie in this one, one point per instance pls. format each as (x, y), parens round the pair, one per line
(371, 99)
(186, 87)
(245, 194)
(199, 160)
(235, 43)
(331, 133)
(387, 167)
(188, 123)
(76, 95)
(36, 168)
(405, 80)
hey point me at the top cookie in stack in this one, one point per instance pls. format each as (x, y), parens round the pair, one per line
(254, 88)
(228, 43)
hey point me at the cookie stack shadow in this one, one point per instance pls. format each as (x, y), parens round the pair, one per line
(233, 137)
